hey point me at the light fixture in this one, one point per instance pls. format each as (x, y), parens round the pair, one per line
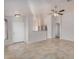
(17, 15)
(55, 14)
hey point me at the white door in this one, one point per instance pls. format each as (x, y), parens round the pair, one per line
(18, 30)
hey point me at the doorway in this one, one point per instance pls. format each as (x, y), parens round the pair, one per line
(18, 29)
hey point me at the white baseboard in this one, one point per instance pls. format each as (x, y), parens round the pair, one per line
(29, 42)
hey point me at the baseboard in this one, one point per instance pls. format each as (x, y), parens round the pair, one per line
(68, 40)
(12, 43)
(29, 42)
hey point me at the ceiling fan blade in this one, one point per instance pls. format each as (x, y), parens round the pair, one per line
(61, 10)
(60, 13)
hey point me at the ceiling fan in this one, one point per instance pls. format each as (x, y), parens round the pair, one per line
(55, 12)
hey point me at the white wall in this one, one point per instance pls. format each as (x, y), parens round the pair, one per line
(67, 32)
(29, 35)
(35, 36)
(68, 26)
(9, 40)
(26, 29)
(51, 26)
(11, 20)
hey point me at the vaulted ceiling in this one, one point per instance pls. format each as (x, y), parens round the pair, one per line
(35, 7)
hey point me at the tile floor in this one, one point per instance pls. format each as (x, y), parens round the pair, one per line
(48, 49)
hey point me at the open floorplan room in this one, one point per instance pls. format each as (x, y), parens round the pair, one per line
(39, 29)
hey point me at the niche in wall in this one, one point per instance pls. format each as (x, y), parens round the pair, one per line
(39, 24)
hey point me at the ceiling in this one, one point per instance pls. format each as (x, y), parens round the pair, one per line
(35, 7)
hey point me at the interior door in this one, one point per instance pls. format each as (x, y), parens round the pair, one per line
(18, 30)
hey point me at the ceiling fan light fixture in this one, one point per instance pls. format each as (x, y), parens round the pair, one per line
(55, 14)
